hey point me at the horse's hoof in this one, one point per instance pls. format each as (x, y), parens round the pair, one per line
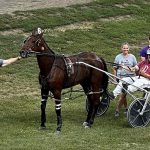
(42, 127)
(87, 127)
(85, 124)
(57, 132)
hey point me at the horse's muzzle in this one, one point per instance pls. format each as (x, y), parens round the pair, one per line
(24, 54)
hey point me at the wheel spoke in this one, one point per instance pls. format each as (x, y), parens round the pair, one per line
(147, 111)
(143, 119)
(135, 119)
(135, 110)
(140, 102)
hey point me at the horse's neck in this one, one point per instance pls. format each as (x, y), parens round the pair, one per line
(45, 64)
(46, 60)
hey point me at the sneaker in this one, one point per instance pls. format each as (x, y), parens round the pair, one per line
(116, 114)
(111, 95)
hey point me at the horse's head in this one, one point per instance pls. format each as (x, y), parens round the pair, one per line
(33, 44)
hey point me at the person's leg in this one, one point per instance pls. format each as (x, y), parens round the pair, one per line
(125, 105)
(118, 90)
(139, 83)
(122, 101)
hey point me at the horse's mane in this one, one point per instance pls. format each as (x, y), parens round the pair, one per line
(48, 46)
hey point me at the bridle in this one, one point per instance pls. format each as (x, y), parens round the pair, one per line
(30, 52)
(113, 64)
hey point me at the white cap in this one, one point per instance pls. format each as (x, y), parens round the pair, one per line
(148, 51)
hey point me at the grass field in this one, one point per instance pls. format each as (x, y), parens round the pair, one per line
(101, 26)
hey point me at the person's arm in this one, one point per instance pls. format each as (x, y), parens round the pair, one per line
(115, 72)
(134, 61)
(142, 73)
(131, 69)
(115, 68)
(10, 61)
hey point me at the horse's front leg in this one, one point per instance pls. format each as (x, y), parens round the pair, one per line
(44, 96)
(57, 98)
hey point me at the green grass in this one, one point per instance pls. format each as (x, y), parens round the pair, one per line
(101, 26)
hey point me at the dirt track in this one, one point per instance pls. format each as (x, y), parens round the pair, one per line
(9, 6)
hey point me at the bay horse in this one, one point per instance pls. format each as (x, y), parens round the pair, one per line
(58, 72)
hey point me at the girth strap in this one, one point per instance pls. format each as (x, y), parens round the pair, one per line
(99, 92)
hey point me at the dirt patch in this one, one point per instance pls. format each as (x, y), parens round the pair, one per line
(83, 26)
(9, 6)
(116, 18)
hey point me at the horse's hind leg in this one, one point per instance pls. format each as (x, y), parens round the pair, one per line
(92, 109)
(44, 96)
(94, 102)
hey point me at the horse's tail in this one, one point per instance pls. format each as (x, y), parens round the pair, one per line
(106, 78)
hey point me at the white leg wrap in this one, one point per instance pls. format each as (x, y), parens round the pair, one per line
(58, 106)
(43, 100)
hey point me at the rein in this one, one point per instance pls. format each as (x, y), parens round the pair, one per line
(30, 52)
(113, 64)
(33, 53)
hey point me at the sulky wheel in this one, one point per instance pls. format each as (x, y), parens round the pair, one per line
(134, 117)
(104, 104)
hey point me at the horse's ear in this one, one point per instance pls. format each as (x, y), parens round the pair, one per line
(34, 32)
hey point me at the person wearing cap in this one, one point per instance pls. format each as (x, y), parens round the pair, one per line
(132, 84)
(5, 62)
(127, 59)
(143, 51)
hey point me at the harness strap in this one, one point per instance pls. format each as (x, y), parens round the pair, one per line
(69, 66)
